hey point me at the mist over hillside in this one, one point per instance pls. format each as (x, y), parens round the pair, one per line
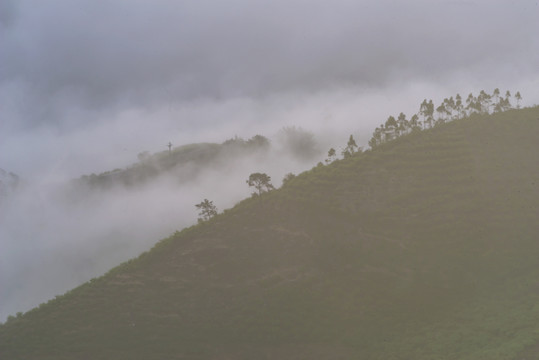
(77, 229)
(78, 99)
(423, 247)
(56, 235)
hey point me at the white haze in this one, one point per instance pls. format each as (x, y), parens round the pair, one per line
(51, 243)
(85, 86)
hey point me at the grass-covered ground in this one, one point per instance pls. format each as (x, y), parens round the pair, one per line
(425, 248)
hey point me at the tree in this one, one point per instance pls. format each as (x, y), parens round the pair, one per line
(288, 177)
(235, 141)
(473, 105)
(506, 104)
(391, 122)
(261, 182)
(484, 101)
(207, 210)
(414, 122)
(402, 123)
(459, 106)
(332, 154)
(441, 110)
(496, 96)
(423, 110)
(351, 147)
(499, 106)
(376, 137)
(430, 113)
(258, 141)
(518, 98)
(450, 106)
(469, 103)
(503, 103)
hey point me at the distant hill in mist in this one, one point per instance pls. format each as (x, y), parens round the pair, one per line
(186, 162)
(423, 248)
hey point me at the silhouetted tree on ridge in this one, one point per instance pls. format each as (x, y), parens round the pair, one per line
(332, 155)
(261, 182)
(351, 147)
(207, 210)
(450, 109)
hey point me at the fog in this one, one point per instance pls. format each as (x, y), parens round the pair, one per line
(56, 235)
(85, 86)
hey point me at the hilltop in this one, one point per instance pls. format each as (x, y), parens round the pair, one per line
(424, 247)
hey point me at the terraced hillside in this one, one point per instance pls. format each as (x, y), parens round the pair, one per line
(425, 248)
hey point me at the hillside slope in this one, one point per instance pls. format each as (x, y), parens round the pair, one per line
(425, 248)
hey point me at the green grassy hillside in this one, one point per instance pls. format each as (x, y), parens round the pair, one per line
(425, 248)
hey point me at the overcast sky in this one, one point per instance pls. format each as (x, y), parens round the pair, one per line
(82, 80)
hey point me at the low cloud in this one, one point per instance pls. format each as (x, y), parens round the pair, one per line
(118, 55)
(56, 235)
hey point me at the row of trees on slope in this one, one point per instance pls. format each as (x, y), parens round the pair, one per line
(450, 109)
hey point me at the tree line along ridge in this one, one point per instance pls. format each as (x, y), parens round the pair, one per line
(429, 116)
(450, 109)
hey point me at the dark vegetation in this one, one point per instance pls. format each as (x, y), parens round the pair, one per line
(424, 247)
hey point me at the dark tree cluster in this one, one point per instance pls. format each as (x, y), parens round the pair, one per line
(450, 109)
